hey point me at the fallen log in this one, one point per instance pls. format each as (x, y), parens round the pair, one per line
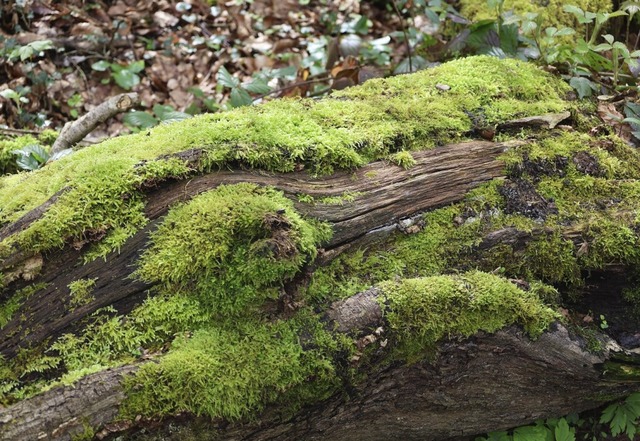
(361, 267)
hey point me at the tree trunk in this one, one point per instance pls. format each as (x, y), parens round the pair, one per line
(515, 306)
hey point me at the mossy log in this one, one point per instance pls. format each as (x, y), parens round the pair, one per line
(363, 267)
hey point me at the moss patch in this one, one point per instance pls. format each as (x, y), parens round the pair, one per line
(104, 202)
(423, 311)
(80, 292)
(232, 372)
(551, 10)
(232, 247)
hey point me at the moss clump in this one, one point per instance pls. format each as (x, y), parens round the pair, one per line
(551, 10)
(232, 247)
(231, 372)
(403, 159)
(104, 197)
(424, 311)
(80, 292)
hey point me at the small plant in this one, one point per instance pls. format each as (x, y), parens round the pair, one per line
(622, 417)
(29, 50)
(240, 92)
(75, 102)
(139, 120)
(34, 156)
(552, 429)
(17, 96)
(125, 76)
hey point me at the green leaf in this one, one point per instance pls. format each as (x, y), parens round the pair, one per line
(565, 31)
(619, 422)
(28, 163)
(226, 79)
(101, 65)
(608, 413)
(41, 45)
(126, 79)
(161, 110)
(509, 39)
(608, 38)
(583, 86)
(60, 154)
(139, 119)
(563, 432)
(575, 10)
(9, 94)
(529, 433)
(136, 67)
(258, 86)
(25, 52)
(602, 47)
(239, 97)
(40, 153)
(174, 116)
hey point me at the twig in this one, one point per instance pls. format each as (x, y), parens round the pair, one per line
(75, 131)
(9, 131)
(291, 86)
(404, 31)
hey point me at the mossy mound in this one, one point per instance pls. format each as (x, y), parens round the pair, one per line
(424, 311)
(551, 10)
(232, 247)
(217, 260)
(103, 196)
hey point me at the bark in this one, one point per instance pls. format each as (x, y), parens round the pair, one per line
(482, 383)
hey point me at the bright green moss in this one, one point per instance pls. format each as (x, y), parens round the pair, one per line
(403, 159)
(551, 10)
(423, 311)
(230, 372)
(13, 303)
(80, 292)
(232, 247)
(7, 145)
(356, 126)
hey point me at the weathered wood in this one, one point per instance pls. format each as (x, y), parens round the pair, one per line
(385, 193)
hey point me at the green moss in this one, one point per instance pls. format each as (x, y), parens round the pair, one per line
(87, 433)
(423, 311)
(80, 292)
(403, 159)
(11, 305)
(229, 372)
(356, 126)
(551, 10)
(7, 145)
(232, 247)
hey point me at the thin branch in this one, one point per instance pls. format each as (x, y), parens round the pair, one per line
(404, 31)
